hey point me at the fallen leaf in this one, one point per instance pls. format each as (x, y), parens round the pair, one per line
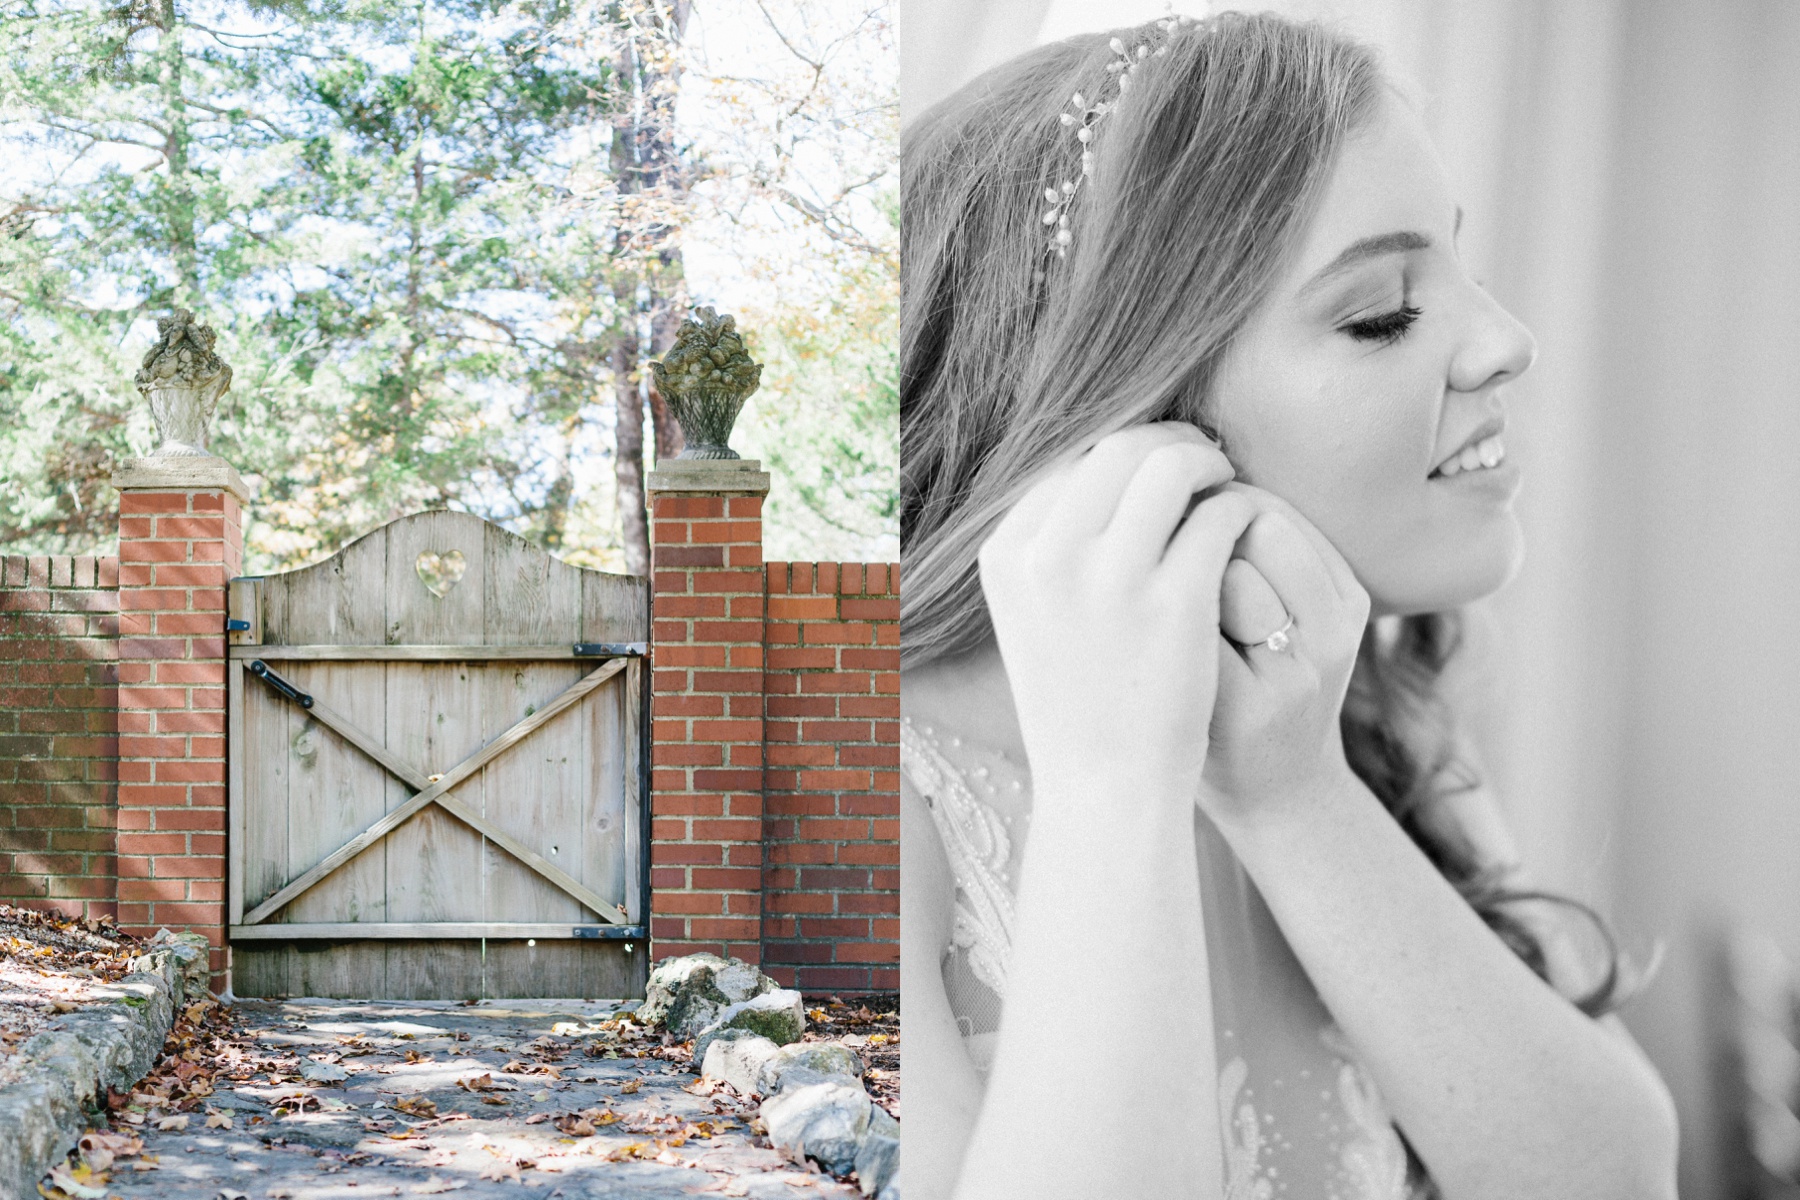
(501, 1169)
(575, 1125)
(485, 1083)
(172, 1124)
(218, 1120)
(435, 1184)
(418, 1106)
(540, 1097)
(493, 1099)
(670, 1158)
(632, 1087)
(74, 1183)
(537, 1118)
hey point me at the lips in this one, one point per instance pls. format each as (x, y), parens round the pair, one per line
(1491, 427)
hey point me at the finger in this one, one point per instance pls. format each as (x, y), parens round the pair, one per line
(1194, 564)
(1235, 672)
(1289, 561)
(1091, 490)
(1157, 497)
(1342, 577)
(1249, 609)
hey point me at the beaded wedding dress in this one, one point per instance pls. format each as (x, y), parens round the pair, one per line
(1299, 1117)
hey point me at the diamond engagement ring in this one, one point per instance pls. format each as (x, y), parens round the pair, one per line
(1279, 640)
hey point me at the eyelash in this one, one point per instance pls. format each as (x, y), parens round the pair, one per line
(1387, 328)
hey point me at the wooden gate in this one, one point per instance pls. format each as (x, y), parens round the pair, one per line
(438, 771)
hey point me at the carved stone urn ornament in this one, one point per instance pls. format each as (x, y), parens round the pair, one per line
(706, 376)
(183, 380)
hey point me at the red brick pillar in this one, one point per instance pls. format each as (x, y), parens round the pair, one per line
(180, 539)
(706, 854)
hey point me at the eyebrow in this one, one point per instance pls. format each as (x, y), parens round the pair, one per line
(1363, 249)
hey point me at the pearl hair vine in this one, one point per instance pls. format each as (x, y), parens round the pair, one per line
(1084, 118)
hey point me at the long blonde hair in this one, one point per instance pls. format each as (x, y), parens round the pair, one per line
(1013, 358)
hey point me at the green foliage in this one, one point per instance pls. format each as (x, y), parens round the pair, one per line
(402, 218)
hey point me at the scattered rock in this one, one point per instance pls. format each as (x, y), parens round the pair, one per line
(738, 1056)
(189, 953)
(685, 995)
(825, 1121)
(779, 1015)
(878, 1164)
(809, 1062)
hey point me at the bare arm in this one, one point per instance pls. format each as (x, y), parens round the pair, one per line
(1129, 1056)
(1504, 1088)
(943, 1094)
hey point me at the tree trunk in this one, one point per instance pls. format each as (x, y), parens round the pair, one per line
(647, 169)
(179, 210)
(628, 458)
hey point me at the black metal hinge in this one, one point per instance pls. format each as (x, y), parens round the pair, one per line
(610, 649)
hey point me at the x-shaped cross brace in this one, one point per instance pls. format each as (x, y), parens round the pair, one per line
(436, 791)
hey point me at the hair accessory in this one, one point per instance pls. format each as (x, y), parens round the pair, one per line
(1084, 118)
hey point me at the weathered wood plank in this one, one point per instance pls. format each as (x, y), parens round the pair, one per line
(564, 967)
(635, 805)
(358, 653)
(234, 791)
(304, 969)
(336, 792)
(415, 614)
(529, 800)
(435, 716)
(243, 602)
(461, 771)
(266, 754)
(606, 830)
(531, 597)
(338, 600)
(413, 930)
(614, 608)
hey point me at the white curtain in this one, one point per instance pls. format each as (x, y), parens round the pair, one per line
(1631, 173)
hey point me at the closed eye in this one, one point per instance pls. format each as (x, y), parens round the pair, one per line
(1387, 328)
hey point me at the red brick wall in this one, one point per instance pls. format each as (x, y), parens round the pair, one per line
(706, 708)
(831, 790)
(775, 761)
(58, 732)
(176, 551)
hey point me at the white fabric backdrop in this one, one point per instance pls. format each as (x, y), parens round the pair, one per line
(1632, 178)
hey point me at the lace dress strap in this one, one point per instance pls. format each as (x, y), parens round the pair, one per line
(978, 847)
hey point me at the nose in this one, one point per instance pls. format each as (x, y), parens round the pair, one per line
(1495, 346)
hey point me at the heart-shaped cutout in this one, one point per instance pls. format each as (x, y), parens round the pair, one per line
(440, 572)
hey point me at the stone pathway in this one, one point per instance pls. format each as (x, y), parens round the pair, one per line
(496, 1100)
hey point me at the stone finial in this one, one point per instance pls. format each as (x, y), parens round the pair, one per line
(183, 380)
(706, 376)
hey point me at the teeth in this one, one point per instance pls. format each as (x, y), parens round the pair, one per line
(1488, 452)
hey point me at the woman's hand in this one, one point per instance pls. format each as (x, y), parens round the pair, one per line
(1275, 742)
(1105, 606)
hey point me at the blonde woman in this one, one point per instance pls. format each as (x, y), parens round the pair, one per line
(1203, 449)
